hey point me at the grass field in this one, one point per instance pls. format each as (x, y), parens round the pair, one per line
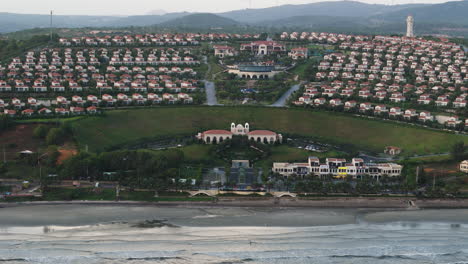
(120, 127)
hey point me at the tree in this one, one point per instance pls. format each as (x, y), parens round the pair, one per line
(40, 131)
(5, 122)
(54, 136)
(458, 151)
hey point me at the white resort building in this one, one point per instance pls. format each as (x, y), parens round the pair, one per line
(338, 168)
(218, 135)
(254, 71)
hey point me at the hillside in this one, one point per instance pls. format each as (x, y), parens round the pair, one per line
(10, 22)
(447, 13)
(146, 20)
(335, 9)
(205, 20)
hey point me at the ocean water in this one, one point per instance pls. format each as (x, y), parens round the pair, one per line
(185, 240)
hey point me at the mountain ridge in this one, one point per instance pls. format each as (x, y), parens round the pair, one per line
(313, 16)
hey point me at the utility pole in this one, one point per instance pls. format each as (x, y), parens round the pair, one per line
(417, 175)
(4, 155)
(51, 15)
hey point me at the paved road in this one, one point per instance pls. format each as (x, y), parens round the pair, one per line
(210, 93)
(284, 98)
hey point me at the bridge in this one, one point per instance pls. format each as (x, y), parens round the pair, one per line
(283, 194)
(211, 193)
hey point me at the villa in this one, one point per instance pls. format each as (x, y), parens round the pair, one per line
(298, 53)
(263, 47)
(223, 51)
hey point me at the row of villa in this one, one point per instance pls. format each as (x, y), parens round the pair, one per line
(107, 99)
(26, 77)
(152, 39)
(394, 93)
(381, 109)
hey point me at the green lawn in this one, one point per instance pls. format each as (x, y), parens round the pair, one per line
(119, 127)
(67, 194)
(199, 153)
(23, 171)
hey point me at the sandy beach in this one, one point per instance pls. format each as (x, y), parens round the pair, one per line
(105, 233)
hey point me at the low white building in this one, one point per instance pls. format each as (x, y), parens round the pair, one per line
(338, 168)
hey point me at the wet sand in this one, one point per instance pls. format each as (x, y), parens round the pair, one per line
(90, 214)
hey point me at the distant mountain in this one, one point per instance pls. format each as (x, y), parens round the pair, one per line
(448, 13)
(10, 22)
(335, 9)
(146, 20)
(314, 21)
(344, 16)
(200, 21)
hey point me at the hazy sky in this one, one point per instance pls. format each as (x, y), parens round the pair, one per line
(141, 7)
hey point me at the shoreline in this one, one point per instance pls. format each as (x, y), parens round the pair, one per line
(315, 202)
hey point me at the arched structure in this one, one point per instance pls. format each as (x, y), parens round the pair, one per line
(260, 136)
(254, 71)
(214, 136)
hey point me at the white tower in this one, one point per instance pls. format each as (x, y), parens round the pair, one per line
(410, 26)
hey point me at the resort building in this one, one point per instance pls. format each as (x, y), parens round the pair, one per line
(261, 136)
(338, 168)
(263, 47)
(254, 71)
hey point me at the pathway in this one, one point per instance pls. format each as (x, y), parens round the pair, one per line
(210, 91)
(281, 102)
(210, 88)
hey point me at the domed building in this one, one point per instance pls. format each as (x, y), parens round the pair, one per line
(262, 136)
